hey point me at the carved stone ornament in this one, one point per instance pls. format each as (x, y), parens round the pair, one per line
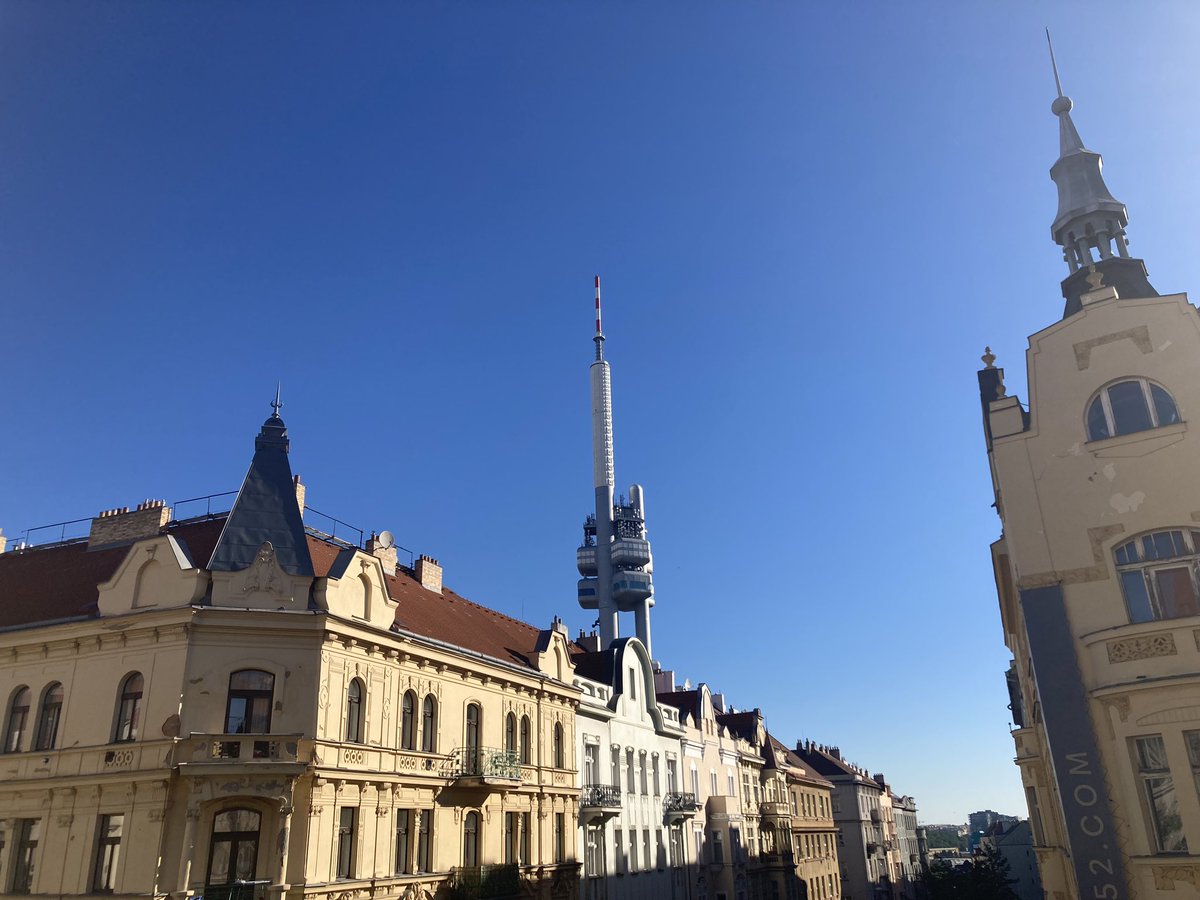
(1166, 878)
(264, 575)
(1145, 647)
(1120, 704)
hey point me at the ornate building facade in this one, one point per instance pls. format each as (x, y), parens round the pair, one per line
(238, 706)
(1096, 569)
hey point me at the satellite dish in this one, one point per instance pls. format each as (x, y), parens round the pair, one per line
(387, 540)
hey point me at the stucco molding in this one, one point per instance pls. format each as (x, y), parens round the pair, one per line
(1140, 335)
(1166, 877)
(1100, 571)
(1145, 647)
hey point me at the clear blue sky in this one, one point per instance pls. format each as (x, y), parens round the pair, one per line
(810, 219)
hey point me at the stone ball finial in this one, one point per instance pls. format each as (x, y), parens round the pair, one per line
(988, 357)
(1061, 105)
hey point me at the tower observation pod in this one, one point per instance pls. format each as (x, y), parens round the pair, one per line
(614, 560)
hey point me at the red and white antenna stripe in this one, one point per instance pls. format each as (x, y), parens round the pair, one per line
(598, 329)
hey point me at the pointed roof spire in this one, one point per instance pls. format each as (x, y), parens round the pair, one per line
(266, 509)
(1090, 223)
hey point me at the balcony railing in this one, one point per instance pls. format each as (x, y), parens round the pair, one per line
(774, 808)
(241, 748)
(485, 763)
(485, 882)
(601, 795)
(238, 890)
(680, 805)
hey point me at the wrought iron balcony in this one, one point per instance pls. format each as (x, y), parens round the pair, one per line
(485, 766)
(606, 795)
(680, 805)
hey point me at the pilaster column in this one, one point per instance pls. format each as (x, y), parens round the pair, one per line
(190, 823)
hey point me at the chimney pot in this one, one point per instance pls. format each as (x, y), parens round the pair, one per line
(429, 573)
(120, 526)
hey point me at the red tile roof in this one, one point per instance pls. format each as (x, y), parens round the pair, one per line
(47, 584)
(51, 583)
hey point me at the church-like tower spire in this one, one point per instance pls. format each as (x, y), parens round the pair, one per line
(1090, 223)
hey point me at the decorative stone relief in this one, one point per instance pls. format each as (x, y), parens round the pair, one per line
(1150, 645)
(1120, 704)
(1167, 877)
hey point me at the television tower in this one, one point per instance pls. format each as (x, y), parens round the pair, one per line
(615, 559)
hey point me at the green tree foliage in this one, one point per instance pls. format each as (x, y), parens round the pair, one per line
(940, 838)
(985, 877)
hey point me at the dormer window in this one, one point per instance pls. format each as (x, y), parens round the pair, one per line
(1158, 573)
(1125, 407)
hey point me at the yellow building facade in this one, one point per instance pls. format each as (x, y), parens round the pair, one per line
(317, 721)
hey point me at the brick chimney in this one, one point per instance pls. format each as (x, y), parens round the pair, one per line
(386, 554)
(120, 526)
(429, 573)
(301, 490)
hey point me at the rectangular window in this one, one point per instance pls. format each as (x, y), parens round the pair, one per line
(616, 767)
(1176, 596)
(672, 777)
(657, 785)
(560, 837)
(510, 838)
(712, 783)
(718, 848)
(108, 849)
(347, 820)
(619, 850)
(701, 850)
(677, 859)
(1035, 817)
(630, 772)
(632, 684)
(424, 840)
(594, 855)
(633, 857)
(28, 833)
(403, 823)
(591, 753)
(735, 844)
(644, 774)
(731, 783)
(646, 863)
(696, 783)
(1158, 788)
(526, 831)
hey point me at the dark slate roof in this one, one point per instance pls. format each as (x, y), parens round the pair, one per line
(52, 583)
(806, 773)
(265, 511)
(684, 701)
(596, 665)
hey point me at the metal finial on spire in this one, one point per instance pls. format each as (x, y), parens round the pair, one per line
(1053, 64)
(276, 404)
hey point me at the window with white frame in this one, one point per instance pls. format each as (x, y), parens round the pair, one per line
(1125, 407)
(1159, 574)
(1158, 794)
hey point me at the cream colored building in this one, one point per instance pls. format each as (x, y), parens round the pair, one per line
(237, 706)
(1097, 566)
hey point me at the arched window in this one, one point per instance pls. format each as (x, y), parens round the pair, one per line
(354, 704)
(248, 709)
(558, 745)
(233, 851)
(1124, 407)
(471, 744)
(408, 722)
(18, 719)
(526, 748)
(51, 712)
(1158, 573)
(510, 733)
(129, 708)
(471, 839)
(429, 724)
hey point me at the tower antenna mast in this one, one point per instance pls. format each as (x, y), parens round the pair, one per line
(1053, 64)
